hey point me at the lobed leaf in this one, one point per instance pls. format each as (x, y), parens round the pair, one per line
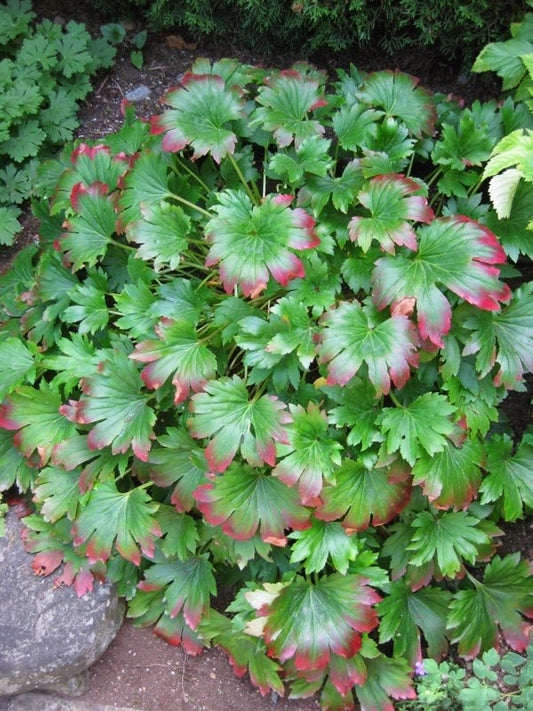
(286, 101)
(201, 115)
(312, 454)
(225, 413)
(454, 251)
(113, 400)
(392, 201)
(399, 96)
(252, 242)
(179, 354)
(112, 518)
(354, 335)
(35, 414)
(365, 496)
(188, 586)
(510, 476)
(505, 594)
(244, 500)
(308, 622)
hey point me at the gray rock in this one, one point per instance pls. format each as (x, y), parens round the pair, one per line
(49, 636)
(140, 93)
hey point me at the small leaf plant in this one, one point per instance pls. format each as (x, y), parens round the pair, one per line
(44, 73)
(261, 352)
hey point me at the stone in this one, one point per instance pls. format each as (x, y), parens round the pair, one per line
(49, 636)
(140, 93)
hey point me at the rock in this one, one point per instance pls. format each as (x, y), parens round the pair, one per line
(49, 636)
(140, 93)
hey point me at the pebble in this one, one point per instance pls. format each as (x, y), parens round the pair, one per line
(140, 93)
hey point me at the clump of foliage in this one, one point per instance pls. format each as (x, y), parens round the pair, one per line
(44, 73)
(262, 349)
(495, 682)
(457, 29)
(511, 162)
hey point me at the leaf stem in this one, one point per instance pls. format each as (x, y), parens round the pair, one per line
(190, 204)
(252, 194)
(395, 400)
(193, 175)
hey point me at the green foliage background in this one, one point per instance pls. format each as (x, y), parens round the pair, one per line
(458, 29)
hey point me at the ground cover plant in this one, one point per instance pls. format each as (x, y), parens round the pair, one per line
(45, 72)
(260, 356)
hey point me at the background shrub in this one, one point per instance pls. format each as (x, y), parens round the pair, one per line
(457, 29)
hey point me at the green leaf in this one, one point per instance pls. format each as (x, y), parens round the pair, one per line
(9, 224)
(341, 190)
(505, 594)
(14, 468)
(180, 535)
(448, 538)
(244, 500)
(25, 142)
(354, 335)
(89, 232)
(308, 622)
(504, 59)
(179, 462)
(77, 358)
(424, 424)
(202, 111)
(73, 51)
(286, 102)
(405, 614)
(365, 495)
(246, 653)
(188, 586)
(58, 493)
(113, 399)
(312, 454)
(226, 413)
(392, 201)
(146, 185)
(179, 354)
(310, 157)
(35, 413)
(399, 96)
(135, 303)
(295, 331)
(18, 363)
(355, 125)
(125, 520)
(509, 475)
(161, 234)
(323, 541)
(505, 339)
(454, 251)
(89, 309)
(357, 410)
(464, 145)
(385, 678)
(264, 233)
(513, 230)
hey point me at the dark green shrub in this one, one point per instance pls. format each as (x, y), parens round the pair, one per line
(456, 29)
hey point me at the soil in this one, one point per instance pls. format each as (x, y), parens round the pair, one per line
(139, 669)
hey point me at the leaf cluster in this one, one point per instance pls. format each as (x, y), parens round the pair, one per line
(263, 345)
(44, 74)
(494, 682)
